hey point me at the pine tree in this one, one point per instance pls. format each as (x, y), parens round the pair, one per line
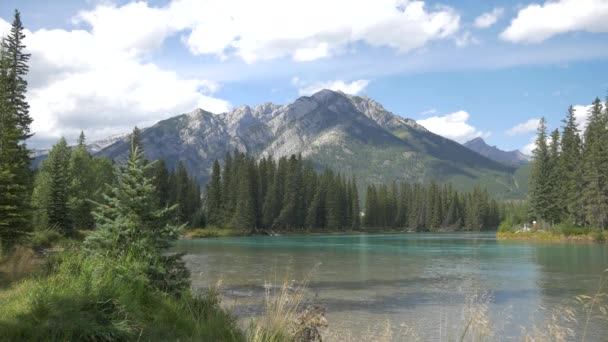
(13, 208)
(59, 187)
(160, 179)
(595, 164)
(18, 69)
(272, 203)
(356, 217)
(137, 140)
(15, 176)
(244, 215)
(228, 189)
(129, 222)
(571, 171)
(371, 207)
(214, 196)
(81, 182)
(182, 191)
(555, 209)
(540, 176)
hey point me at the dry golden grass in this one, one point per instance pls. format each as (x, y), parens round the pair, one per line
(285, 317)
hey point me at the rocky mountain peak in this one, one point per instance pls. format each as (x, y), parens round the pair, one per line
(346, 133)
(506, 157)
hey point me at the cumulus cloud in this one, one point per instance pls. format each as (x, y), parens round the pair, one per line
(581, 113)
(307, 88)
(99, 79)
(536, 23)
(466, 39)
(529, 148)
(307, 30)
(453, 126)
(524, 127)
(488, 19)
(100, 76)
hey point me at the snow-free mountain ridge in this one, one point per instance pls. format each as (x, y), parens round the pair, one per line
(350, 134)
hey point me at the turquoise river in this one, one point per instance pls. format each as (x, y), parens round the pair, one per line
(379, 287)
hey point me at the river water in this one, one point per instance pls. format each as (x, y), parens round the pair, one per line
(396, 286)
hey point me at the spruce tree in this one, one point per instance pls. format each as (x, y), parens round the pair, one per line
(129, 222)
(81, 185)
(370, 207)
(59, 192)
(540, 176)
(182, 191)
(292, 214)
(356, 215)
(244, 215)
(571, 171)
(137, 139)
(214, 196)
(334, 205)
(17, 72)
(272, 203)
(15, 175)
(160, 180)
(555, 209)
(595, 164)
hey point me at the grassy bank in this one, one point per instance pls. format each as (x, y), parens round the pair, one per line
(77, 297)
(212, 232)
(545, 236)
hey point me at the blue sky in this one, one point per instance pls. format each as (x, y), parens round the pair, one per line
(462, 68)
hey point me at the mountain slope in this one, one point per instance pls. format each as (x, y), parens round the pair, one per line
(506, 157)
(350, 134)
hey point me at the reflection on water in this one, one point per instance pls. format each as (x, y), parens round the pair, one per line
(421, 280)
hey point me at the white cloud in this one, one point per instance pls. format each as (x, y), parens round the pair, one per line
(581, 113)
(353, 88)
(427, 112)
(524, 127)
(488, 19)
(466, 39)
(100, 80)
(307, 30)
(529, 148)
(536, 23)
(453, 126)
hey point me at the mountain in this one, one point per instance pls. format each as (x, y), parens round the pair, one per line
(350, 134)
(96, 146)
(506, 157)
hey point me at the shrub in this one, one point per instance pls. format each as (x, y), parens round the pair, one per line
(45, 238)
(568, 229)
(599, 237)
(100, 299)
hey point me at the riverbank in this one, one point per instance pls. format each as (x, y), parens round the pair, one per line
(214, 232)
(545, 236)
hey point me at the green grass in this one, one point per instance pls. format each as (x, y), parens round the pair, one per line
(81, 297)
(546, 236)
(211, 232)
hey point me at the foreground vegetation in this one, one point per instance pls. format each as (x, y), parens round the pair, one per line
(78, 297)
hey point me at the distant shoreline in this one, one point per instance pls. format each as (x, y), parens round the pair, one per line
(205, 233)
